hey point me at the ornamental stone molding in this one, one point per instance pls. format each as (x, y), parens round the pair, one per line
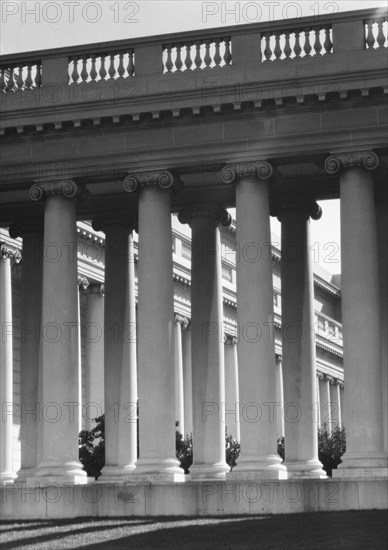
(320, 375)
(96, 289)
(364, 159)
(307, 207)
(8, 252)
(261, 170)
(68, 188)
(102, 222)
(330, 379)
(163, 179)
(216, 214)
(181, 320)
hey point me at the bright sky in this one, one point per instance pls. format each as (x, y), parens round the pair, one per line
(28, 25)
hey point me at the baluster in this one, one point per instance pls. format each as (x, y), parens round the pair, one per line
(380, 35)
(277, 50)
(267, 49)
(10, 82)
(38, 75)
(328, 44)
(29, 81)
(75, 74)
(207, 59)
(93, 71)
(120, 68)
(198, 58)
(287, 47)
(370, 39)
(131, 66)
(178, 60)
(227, 54)
(217, 56)
(103, 72)
(307, 44)
(19, 78)
(84, 72)
(188, 60)
(169, 63)
(317, 43)
(112, 68)
(297, 47)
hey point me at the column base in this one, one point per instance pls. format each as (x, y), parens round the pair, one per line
(116, 473)
(54, 472)
(203, 472)
(159, 470)
(7, 477)
(360, 473)
(364, 460)
(259, 467)
(309, 469)
(25, 473)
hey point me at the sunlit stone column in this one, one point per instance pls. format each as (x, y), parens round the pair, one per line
(180, 323)
(208, 370)
(187, 380)
(298, 340)
(336, 402)
(318, 415)
(322, 400)
(382, 243)
(256, 351)
(156, 327)
(279, 396)
(7, 256)
(93, 335)
(59, 348)
(120, 364)
(83, 284)
(361, 308)
(232, 401)
(329, 380)
(30, 341)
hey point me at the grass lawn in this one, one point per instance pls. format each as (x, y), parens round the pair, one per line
(323, 531)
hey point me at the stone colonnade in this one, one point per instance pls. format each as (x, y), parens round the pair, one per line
(142, 352)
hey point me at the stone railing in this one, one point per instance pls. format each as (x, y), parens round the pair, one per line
(257, 45)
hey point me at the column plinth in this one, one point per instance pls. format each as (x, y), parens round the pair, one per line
(207, 343)
(298, 341)
(59, 347)
(256, 352)
(363, 394)
(157, 461)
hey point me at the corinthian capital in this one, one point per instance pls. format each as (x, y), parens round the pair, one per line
(163, 179)
(365, 159)
(67, 188)
(216, 214)
(251, 170)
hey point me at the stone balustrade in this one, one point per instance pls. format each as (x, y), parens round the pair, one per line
(297, 43)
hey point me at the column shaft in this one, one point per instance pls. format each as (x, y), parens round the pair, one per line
(301, 442)
(232, 415)
(187, 381)
(179, 394)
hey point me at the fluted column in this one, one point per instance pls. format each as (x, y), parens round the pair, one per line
(93, 336)
(232, 401)
(298, 340)
(30, 341)
(83, 284)
(363, 406)
(156, 327)
(256, 351)
(120, 364)
(7, 256)
(207, 344)
(187, 380)
(59, 349)
(180, 323)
